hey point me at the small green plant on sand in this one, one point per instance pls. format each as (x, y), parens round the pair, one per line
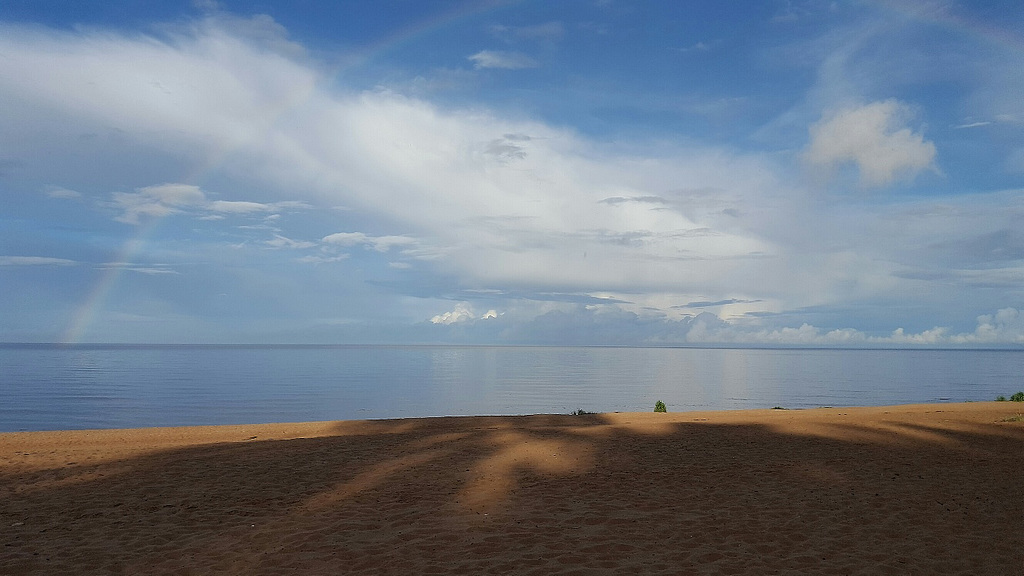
(1017, 418)
(1000, 398)
(659, 406)
(1018, 397)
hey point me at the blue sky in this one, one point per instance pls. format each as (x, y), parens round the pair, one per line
(580, 172)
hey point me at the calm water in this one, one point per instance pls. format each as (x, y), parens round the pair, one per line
(52, 387)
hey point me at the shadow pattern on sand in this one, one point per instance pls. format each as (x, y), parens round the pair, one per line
(536, 495)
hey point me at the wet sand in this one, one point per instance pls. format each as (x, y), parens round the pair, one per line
(924, 489)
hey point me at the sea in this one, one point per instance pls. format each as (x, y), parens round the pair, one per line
(65, 387)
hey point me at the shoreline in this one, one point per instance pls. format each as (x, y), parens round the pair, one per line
(212, 427)
(920, 488)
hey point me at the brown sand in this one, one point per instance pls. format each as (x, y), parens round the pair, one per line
(936, 489)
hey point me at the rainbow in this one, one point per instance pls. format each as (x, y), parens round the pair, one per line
(95, 300)
(426, 26)
(946, 18)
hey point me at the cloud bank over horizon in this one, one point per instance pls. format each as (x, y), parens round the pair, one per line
(289, 195)
(590, 326)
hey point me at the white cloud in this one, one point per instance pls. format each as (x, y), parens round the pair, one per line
(317, 259)
(34, 261)
(935, 336)
(499, 59)
(972, 125)
(461, 313)
(609, 325)
(59, 192)
(806, 335)
(283, 242)
(1005, 326)
(378, 243)
(157, 201)
(346, 238)
(167, 199)
(150, 269)
(238, 207)
(875, 139)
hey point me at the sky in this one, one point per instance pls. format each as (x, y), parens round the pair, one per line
(586, 172)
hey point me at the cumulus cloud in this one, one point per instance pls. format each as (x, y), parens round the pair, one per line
(500, 59)
(875, 139)
(461, 313)
(805, 335)
(932, 337)
(609, 325)
(1005, 326)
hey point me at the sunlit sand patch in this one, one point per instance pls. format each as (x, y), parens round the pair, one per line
(495, 477)
(437, 439)
(373, 477)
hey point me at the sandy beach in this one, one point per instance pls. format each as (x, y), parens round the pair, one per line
(923, 489)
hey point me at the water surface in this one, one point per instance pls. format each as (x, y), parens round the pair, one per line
(76, 387)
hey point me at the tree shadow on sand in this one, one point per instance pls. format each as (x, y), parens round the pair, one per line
(536, 495)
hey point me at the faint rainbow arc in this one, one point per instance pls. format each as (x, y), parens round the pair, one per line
(93, 303)
(1003, 38)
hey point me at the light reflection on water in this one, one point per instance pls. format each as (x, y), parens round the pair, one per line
(52, 387)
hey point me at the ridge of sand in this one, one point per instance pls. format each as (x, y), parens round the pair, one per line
(921, 489)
